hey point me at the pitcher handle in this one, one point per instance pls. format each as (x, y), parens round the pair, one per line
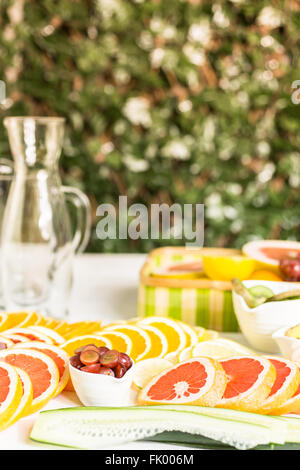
(84, 218)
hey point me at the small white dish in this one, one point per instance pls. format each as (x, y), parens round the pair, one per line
(259, 323)
(103, 390)
(289, 347)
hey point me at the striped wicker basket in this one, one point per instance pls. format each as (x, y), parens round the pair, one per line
(200, 301)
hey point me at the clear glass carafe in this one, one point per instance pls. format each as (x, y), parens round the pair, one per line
(37, 241)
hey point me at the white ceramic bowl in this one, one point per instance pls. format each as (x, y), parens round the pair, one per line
(259, 323)
(289, 347)
(103, 390)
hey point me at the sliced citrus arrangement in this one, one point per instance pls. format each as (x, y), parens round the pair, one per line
(59, 356)
(191, 335)
(141, 342)
(41, 369)
(220, 348)
(10, 392)
(29, 333)
(249, 382)
(292, 405)
(146, 369)
(172, 330)
(53, 335)
(286, 384)
(118, 340)
(8, 343)
(199, 381)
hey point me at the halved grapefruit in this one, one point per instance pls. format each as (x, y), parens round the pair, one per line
(180, 270)
(268, 253)
(41, 369)
(199, 381)
(286, 384)
(249, 382)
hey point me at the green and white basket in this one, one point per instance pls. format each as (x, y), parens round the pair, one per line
(200, 302)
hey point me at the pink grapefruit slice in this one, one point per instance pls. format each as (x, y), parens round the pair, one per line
(30, 334)
(59, 356)
(249, 382)
(285, 386)
(41, 369)
(198, 381)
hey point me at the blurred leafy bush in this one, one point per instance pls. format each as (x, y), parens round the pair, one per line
(166, 101)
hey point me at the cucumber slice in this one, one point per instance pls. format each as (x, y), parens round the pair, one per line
(261, 292)
(97, 427)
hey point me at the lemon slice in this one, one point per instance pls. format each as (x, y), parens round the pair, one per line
(185, 354)
(225, 268)
(220, 348)
(175, 335)
(147, 369)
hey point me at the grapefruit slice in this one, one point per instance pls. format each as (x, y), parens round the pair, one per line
(29, 333)
(180, 270)
(59, 356)
(268, 253)
(292, 405)
(41, 369)
(56, 337)
(249, 382)
(7, 342)
(200, 381)
(175, 335)
(10, 393)
(145, 370)
(16, 338)
(285, 386)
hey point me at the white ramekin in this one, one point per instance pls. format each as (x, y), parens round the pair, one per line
(259, 323)
(103, 390)
(289, 347)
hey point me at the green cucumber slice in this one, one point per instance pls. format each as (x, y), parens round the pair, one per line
(97, 427)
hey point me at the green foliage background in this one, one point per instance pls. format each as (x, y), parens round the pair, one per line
(166, 101)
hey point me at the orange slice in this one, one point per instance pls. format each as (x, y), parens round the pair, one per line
(31, 318)
(10, 393)
(141, 342)
(14, 318)
(29, 333)
(41, 369)
(159, 343)
(118, 340)
(286, 384)
(24, 406)
(199, 381)
(59, 356)
(249, 382)
(75, 343)
(175, 335)
(191, 335)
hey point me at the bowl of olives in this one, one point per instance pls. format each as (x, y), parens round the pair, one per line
(102, 376)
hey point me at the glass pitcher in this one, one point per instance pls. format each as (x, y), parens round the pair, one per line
(37, 243)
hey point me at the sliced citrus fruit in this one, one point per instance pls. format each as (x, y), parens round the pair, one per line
(175, 335)
(249, 382)
(292, 405)
(30, 319)
(159, 343)
(16, 338)
(79, 341)
(8, 342)
(200, 381)
(4, 321)
(141, 342)
(180, 270)
(185, 354)
(210, 334)
(172, 357)
(220, 348)
(59, 356)
(146, 369)
(24, 405)
(225, 268)
(41, 369)
(53, 335)
(200, 332)
(14, 319)
(29, 333)
(286, 384)
(191, 335)
(10, 392)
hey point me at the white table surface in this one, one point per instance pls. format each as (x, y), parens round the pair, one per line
(105, 288)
